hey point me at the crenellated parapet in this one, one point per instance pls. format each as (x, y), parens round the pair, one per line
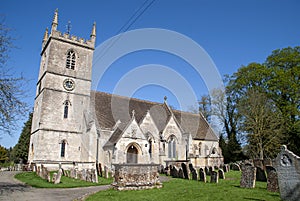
(66, 37)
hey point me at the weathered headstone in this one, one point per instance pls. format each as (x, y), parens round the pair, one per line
(185, 171)
(214, 177)
(194, 174)
(248, 176)
(235, 166)
(287, 165)
(221, 174)
(210, 170)
(272, 181)
(174, 172)
(54, 177)
(202, 175)
(180, 173)
(167, 171)
(206, 170)
(58, 177)
(260, 174)
(226, 168)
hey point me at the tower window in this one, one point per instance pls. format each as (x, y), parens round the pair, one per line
(63, 148)
(71, 58)
(66, 109)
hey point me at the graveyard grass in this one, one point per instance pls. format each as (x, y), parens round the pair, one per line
(32, 179)
(181, 189)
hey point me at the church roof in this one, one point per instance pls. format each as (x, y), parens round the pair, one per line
(109, 108)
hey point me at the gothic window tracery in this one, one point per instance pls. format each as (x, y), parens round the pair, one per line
(71, 60)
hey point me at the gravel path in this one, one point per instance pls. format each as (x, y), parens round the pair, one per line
(13, 189)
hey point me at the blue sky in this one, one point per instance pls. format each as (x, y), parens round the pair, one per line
(233, 33)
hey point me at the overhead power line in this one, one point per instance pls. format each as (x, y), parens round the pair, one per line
(136, 15)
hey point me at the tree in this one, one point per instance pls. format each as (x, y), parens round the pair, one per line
(224, 109)
(12, 108)
(262, 123)
(3, 154)
(22, 147)
(283, 88)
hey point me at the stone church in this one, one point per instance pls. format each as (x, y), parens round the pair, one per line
(73, 125)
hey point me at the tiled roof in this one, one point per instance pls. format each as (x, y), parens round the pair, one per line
(109, 108)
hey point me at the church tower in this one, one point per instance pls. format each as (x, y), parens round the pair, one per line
(62, 97)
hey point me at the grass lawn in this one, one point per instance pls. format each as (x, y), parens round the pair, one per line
(180, 189)
(33, 180)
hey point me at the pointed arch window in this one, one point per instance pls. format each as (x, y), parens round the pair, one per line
(66, 109)
(172, 147)
(63, 148)
(71, 60)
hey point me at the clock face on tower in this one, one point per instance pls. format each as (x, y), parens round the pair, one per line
(69, 84)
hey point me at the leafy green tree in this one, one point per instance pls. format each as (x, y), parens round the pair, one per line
(22, 147)
(3, 154)
(283, 88)
(12, 108)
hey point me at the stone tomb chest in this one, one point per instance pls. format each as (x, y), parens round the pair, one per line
(136, 176)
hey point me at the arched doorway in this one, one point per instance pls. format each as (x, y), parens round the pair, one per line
(132, 154)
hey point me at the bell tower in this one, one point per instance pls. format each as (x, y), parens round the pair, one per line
(62, 96)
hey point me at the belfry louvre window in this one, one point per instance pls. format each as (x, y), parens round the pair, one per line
(71, 60)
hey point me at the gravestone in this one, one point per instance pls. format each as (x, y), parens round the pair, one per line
(194, 174)
(58, 176)
(206, 170)
(214, 177)
(168, 172)
(174, 172)
(185, 171)
(202, 175)
(260, 174)
(210, 170)
(235, 166)
(226, 168)
(248, 176)
(287, 166)
(72, 173)
(221, 174)
(269, 169)
(272, 181)
(180, 173)
(54, 177)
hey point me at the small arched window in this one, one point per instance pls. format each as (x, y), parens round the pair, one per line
(71, 60)
(66, 109)
(63, 148)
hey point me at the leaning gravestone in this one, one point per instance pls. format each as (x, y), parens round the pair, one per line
(214, 177)
(202, 175)
(287, 165)
(248, 176)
